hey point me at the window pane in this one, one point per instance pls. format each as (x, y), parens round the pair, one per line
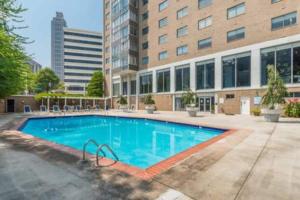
(200, 77)
(284, 64)
(160, 82)
(229, 73)
(210, 76)
(133, 87)
(186, 78)
(296, 59)
(179, 80)
(243, 71)
(124, 88)
(266, 60)
(167, 81)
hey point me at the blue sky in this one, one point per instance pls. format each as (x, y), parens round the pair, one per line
(82, 14)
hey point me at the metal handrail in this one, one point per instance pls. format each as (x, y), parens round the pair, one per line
(85, 145)
(109, 149)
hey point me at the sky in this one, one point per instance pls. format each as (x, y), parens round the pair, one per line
(81, 14)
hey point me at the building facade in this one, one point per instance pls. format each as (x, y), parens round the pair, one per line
(81, 57)
(34, 66)
(219, 49)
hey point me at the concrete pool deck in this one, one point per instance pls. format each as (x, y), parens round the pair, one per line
(260, 161)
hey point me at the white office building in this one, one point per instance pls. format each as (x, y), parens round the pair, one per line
(82, 56)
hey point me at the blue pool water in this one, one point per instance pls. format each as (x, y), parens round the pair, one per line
(137, 142)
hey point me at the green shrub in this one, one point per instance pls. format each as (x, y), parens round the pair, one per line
(292, 109)
(256, 111)
(122, 100)
(149, 100)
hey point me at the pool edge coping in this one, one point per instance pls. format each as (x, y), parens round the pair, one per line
(145, 174)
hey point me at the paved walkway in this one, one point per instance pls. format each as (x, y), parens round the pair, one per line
(262, 162)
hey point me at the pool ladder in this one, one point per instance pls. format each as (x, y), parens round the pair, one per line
(99, 149)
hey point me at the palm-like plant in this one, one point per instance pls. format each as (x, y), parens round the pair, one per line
(122, 100)
(276, 91)
(189, 98)
(149, 100)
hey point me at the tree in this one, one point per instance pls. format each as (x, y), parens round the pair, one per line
(276, 91)
(13, 59)
(13, 65)
(46, 81)
(95, 86)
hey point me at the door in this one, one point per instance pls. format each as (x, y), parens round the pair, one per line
(205, 104)
(245, 105)
(10, 105)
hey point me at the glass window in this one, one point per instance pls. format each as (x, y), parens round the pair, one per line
(182, 12)
(229, 73)
(284, 21)
(203, 23)
(236, 34)
(163, 22)
(124, 88)
(243, 75)
(163, 5)
(283, 64)
(182, 31)
(163, 55)
(205, 75)
(145, 2)
(163, 39)
(286, 61)
(296, 68)
(237, 71)
(182, 50)
(146, 84)
(204, 3)
(236, 11)
(116, 89)
(182, 78)
(133, 87)
(163, 79)
(145, 60)
(275, 1)
(145, 16)
(145, 45)
(204, 43)
(145, 30)
(267, 59)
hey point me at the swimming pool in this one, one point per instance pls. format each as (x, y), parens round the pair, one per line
(137, 142)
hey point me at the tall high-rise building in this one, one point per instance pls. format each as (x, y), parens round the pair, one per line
(219, 49)
(76, 55)
(57, 44)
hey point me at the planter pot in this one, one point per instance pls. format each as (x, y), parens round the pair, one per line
(124, 108)
(192, 111)
(150, 109)
(271, 115)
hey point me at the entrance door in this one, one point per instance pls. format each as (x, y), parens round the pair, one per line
(205, 104)
(10, 105)
(245, 105)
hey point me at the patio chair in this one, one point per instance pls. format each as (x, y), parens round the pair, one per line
(97, 108)
(56, 109)
(66, 108)
(27, 109)
(77, 108)
(88, 108)
(43, 108)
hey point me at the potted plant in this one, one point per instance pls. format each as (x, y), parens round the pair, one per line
(189, 100)
(122, 101)
(149, 104)
(274, 97)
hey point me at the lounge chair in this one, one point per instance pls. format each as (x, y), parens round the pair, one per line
(27, 109)
(97, 108)
(88, 108)
(43, 108)
(56, 109)
(77, 108)
(66, 108)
